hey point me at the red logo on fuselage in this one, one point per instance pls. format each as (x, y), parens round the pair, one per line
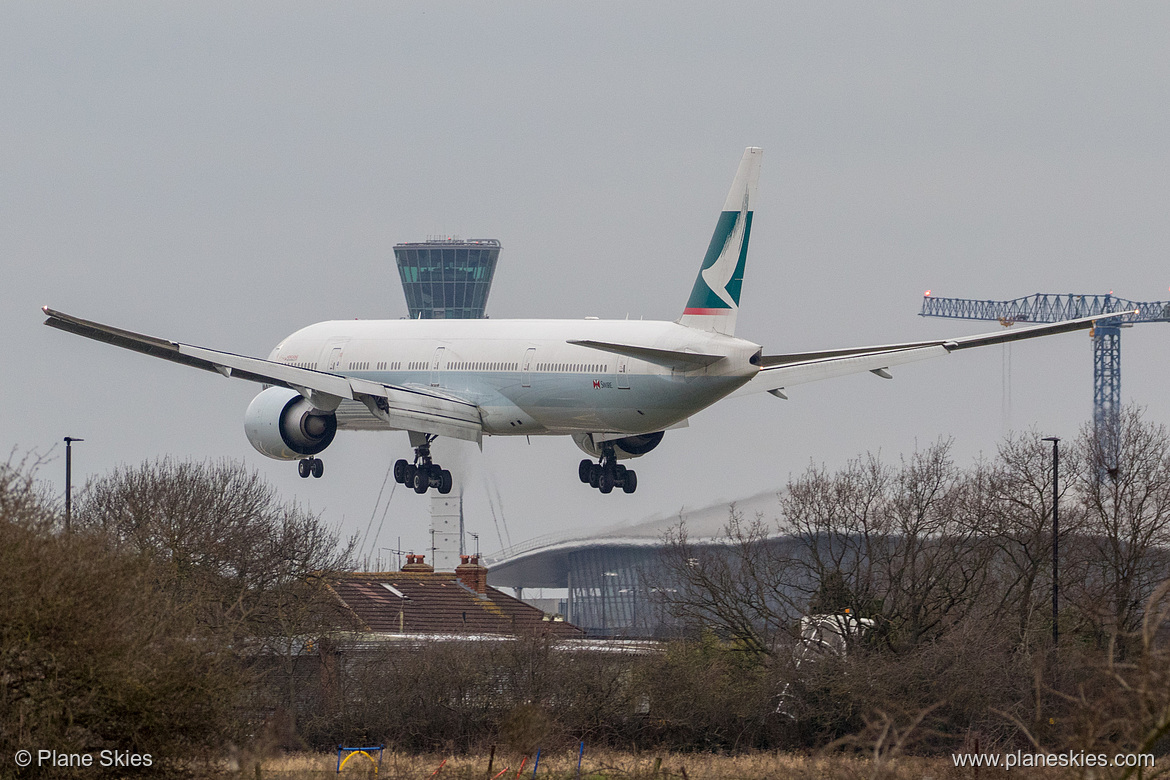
(596, 384)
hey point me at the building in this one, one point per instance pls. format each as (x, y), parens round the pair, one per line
(419, 602)
(613, 576)
(447, 278)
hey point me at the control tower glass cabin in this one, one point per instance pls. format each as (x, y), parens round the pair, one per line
(447, 278)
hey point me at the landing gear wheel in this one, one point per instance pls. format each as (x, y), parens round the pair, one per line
(594, 475)
(317, 468)
(424, 473)
(605, 481)
(629, 481)
(584, 470)
(303, 468)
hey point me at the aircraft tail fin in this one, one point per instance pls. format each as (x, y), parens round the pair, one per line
(714, 300)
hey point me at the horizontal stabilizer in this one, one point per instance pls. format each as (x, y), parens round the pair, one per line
(663, 357)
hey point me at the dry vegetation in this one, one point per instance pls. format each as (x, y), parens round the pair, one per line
(953, 566)
(182, 616)
(612, 765)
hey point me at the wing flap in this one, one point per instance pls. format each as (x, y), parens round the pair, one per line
(414, 409)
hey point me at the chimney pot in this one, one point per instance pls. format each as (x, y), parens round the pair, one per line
(472, 575)
(416, 563)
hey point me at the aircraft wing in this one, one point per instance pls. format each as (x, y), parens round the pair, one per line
(405, 408)
(780, 371)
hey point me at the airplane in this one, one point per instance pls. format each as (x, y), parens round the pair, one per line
(614, 386)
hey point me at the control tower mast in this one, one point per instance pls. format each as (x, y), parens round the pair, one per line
(447, 278)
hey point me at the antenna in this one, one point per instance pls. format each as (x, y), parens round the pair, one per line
(396, 551)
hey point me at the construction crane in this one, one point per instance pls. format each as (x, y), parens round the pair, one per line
(1054, 308)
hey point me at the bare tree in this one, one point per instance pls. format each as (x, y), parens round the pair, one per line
(842, 529)
(220, 536)
(737, 586)
(91, 655)
(1016, 518)
(895, 545)
(247, 565)
(1127, 525)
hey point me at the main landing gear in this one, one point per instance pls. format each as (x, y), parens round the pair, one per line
(309, 466)
(608, 473)
(422, 474)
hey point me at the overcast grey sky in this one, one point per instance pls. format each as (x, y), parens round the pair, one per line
(224, 173)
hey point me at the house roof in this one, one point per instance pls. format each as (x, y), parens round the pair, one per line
(430, 602)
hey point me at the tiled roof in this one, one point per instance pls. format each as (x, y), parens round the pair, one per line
(438, 603)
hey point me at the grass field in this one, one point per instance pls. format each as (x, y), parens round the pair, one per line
(562, 765)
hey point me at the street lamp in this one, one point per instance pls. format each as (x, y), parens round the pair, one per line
(1055, 531)
(69, 479)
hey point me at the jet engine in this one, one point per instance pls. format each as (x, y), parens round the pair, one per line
(281, 424)
(629, 447)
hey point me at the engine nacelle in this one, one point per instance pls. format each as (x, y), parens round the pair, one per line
(281, 424)
(629, 447)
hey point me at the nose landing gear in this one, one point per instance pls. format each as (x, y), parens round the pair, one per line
(607, 474)
(310, 466)
(423, 473)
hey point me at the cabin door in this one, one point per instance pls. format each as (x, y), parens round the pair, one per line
(436, 361)
(623, 372)
(526, 367)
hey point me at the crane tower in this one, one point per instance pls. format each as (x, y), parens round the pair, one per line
(1043, 307)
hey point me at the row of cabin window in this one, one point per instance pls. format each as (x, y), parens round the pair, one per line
(467, 365)
(587, 367)
(464, 365)
(382, 366)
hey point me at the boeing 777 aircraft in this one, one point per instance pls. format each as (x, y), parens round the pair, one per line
(614, 386)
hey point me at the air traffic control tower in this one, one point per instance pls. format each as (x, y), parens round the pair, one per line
(447, 278)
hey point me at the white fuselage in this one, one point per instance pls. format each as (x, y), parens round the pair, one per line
(524, 375)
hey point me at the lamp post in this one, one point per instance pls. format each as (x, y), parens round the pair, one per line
(1055, 532)
(69, 480)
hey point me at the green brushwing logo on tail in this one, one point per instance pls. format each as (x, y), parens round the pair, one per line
(717, 287)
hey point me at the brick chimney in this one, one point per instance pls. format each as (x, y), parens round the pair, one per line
(471, 574)
(416, 563)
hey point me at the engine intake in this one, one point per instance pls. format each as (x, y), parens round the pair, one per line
(628, 447)
(281, 424)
